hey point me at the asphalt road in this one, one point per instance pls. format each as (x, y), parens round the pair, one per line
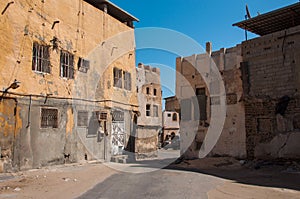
(158, 184)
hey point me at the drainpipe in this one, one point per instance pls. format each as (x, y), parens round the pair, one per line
(29, 111)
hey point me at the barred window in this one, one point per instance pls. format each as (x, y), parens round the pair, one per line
(66, 64)
(127, 81)
(40, 58)
(82, 118)
(83, 65)
(117, 116)
(117, 78)
(155, 111)
(49, 118)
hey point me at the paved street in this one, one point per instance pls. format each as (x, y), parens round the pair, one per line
(159, 184)
(214, 178)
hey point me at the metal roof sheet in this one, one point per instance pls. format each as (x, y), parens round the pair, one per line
(273, 21)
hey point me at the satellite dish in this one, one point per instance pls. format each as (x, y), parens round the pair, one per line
(248, 13)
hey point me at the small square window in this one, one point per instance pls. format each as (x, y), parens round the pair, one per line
(49, 118)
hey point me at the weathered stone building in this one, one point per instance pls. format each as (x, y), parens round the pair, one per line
(149, 122)
(271, 82)
(197, 108)
(76, 99)
(261, 78)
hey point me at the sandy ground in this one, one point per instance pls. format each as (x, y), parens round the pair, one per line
(64, 181)
(236, 181)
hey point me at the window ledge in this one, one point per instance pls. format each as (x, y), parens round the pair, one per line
(40, 73)
(66, 79)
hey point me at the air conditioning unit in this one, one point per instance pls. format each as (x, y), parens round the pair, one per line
(101, 115)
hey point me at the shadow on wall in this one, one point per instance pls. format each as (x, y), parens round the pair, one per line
(93, 126)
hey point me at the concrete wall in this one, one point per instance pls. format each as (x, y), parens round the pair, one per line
(233, 137)
(270, 74)
(148, 80)
(85, 32)
(169, 120)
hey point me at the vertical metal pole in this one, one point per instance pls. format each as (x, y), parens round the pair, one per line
(246, 33)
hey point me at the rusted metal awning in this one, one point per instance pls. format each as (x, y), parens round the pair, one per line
(273, 21)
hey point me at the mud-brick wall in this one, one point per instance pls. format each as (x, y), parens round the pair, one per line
(146, 142)
(272, 63)
(270, 71)
(271, 135)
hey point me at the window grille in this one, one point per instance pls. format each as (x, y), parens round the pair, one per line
(117, 116)
(40, 58)
(66, 64)
(49, 118)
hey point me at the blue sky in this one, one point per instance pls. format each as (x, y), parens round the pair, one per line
(202, 20)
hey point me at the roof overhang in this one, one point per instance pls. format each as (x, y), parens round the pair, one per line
(113, 10)
(171, 97)
(273, 21)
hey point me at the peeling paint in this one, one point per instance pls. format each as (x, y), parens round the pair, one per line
(70, 121)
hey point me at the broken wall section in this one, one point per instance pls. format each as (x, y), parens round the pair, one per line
(270, 68)
(233, 136)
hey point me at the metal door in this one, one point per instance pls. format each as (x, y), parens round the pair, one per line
(118, 133)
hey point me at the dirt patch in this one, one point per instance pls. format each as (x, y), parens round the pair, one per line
(68, 181)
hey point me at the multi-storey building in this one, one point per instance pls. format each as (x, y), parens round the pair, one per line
(68, 77)
(149, 122)
(261, 81)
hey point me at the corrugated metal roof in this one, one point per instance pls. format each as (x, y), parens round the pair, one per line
(273, 21)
